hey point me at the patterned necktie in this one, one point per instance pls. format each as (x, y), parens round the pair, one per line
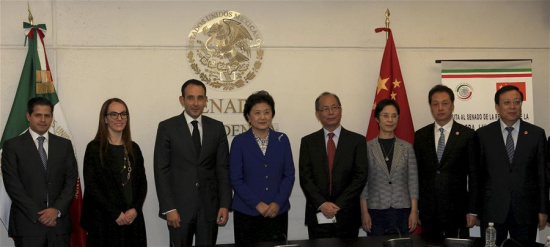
(440, 144)
(196, 137)
(510, 144)
(331, 151)
(42, 152)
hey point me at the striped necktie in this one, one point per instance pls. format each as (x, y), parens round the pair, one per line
(42, 152)
(510, 144)
(440, 144)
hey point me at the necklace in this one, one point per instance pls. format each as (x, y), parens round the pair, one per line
(262, 142)
(127, 166)
(386, 155)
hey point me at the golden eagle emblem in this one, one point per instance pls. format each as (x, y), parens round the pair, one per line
(228, 39)
(225, 50)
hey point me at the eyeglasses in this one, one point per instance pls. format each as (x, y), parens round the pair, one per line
(115, 115)
(509, 103)
(333, 108)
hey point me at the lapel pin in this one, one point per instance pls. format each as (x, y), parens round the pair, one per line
(457, 133)
(525, 132)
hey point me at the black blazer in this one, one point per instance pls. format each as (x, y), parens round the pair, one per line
(349, 175)
(32, 189)
(182, 180)
(104, 198)
(448, 189)
(520, 185)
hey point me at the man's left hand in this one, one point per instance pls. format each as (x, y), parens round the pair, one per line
(223, 216)
(48, 217)
(542, 221)
(470, 220)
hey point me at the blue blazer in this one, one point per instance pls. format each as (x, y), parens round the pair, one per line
(256, 177)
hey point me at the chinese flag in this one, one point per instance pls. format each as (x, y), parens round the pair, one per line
(392, 86)
(519, 85)
(78, 235)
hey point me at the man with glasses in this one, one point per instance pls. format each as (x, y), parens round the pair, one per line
(447, 171)
(191, 171)
(40, 173)
(333, 172)
(512, 172)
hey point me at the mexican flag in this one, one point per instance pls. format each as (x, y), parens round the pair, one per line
(475, 83)
(36, 80)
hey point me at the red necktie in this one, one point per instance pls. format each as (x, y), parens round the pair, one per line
(331, 151)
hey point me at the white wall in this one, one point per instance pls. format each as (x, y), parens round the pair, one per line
(136, 50)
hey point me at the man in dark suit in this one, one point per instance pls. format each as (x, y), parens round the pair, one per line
(333, 172)
(447, 170)
(512, 171)
(40, 173)
(191, 171)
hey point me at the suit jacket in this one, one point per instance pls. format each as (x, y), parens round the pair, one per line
(448, 189)
(104, 198)
(394, 188)
(519, 185)
(349, 175)
(184, 181)
(256, 177)
(32, 189)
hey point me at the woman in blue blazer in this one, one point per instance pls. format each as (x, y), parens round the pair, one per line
(261, 174)
(389, 201)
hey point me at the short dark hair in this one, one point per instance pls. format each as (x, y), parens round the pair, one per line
(382, 104)
(38, 101)
(192, 82)
(256, 98)
(440, 88)
(504, 90)
(325, 94)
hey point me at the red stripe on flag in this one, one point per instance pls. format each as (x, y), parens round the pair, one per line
(486, 75)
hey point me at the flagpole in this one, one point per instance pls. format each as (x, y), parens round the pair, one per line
(387, 14)
(31, 19)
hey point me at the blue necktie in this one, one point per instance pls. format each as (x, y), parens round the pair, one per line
(440, 144)
(510, 144)
(42, 151)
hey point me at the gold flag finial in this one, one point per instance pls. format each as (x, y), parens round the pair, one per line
(387, 14)
(31, 20)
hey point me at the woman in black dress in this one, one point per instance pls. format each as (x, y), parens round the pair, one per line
(114, 182)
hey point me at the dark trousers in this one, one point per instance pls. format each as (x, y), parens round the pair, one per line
(524, 234)
(337, 230)
(205, 231)
(389, 221)
(252, 229)
(437, 230)
(48, 240)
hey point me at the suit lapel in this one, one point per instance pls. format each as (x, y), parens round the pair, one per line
(523, 136)
(184, 130)
(432, 152)
(321, 145)
(379, 156)
(454, 135)
(397, 155)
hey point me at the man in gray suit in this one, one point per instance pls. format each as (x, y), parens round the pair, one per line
(191, 171)
(40, 173)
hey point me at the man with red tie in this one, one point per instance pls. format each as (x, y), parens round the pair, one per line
(333, 172)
